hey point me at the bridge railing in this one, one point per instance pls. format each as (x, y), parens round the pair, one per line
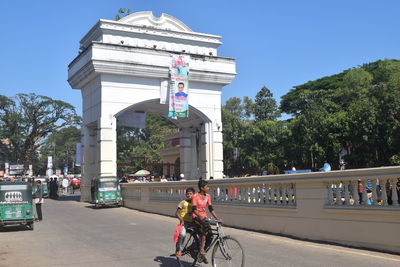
(353, 207)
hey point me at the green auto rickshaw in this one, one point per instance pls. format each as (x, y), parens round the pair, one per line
(45, 187)
(16, 204)
(106, 191)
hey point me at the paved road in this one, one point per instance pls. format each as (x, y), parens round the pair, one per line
(74, 234)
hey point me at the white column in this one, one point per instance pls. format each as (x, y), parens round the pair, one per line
(107, 145)
(218, 151)
(186, 153)
(194, 168)
(204, 152)
(89, 168)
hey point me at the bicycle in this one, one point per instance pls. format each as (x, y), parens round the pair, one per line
(226, 250)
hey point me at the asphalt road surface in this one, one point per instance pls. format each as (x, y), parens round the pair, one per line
(74, 234)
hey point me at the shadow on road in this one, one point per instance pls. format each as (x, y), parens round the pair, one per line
(14, 228)
(166, 261)
(92, 206)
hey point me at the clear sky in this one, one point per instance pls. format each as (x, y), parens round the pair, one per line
(278, 44)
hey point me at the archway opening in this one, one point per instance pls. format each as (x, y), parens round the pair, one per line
(148, 140)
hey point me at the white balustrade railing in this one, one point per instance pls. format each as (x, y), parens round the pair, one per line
(131, 194)
(359, 192)
(265, 194)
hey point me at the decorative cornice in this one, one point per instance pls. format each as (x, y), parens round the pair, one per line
(147, 18)
(110, 26)
(79, 77)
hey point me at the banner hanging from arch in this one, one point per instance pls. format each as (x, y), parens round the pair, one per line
(179, 87)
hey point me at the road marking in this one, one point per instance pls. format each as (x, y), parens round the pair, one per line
(132, 224)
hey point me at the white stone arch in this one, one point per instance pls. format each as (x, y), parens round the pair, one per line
(193, 153)
(124, 64)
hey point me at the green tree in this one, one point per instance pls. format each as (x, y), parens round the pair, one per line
(61, 145)
(25, 122)
(236, 121)
(356, 109)
(144, 143)
(265, 107)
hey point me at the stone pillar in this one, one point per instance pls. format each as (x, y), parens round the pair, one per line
(211, 151)
(194, 169)
(89, 168)
(107, 143)
(218, 151)
(186, 153)
(205, 159)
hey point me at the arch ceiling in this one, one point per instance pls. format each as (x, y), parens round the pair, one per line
(195, 118)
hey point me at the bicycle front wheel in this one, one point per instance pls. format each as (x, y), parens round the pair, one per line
(228, 252)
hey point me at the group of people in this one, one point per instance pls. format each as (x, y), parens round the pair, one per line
(163, 178)
(367, 187)
(53, 188)
(191, 212)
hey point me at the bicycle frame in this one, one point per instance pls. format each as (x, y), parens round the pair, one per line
(217, 236)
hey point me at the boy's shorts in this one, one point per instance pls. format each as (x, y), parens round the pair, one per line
(203, 225)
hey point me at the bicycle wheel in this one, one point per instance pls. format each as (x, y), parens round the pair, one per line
(189, 252)
(227, 252)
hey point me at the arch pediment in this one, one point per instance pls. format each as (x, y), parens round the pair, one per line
(165, 21)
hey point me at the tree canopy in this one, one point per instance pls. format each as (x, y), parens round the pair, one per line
(26, 120)
(357, 110)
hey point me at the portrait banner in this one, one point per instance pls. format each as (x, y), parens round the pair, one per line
(179, 87)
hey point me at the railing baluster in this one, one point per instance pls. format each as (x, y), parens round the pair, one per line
(374, 200)
(267, 194)
(364, 194)
(384, 193)
(346, 193)
(356, 196)
(395, 197)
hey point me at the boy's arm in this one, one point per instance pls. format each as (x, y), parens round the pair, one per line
(211, 209)
(178, 214)
(215, 216)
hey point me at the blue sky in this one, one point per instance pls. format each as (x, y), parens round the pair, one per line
(278, 44)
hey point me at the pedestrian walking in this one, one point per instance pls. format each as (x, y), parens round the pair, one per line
(54, 189)
(50, 185)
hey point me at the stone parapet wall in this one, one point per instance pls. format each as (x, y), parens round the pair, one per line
(321, 206)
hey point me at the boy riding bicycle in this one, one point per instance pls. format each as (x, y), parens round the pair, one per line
(184, 214)
(200, 201)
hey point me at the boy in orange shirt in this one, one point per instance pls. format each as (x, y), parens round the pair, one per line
(200, 201)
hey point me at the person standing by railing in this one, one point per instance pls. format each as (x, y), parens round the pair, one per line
(360, 189)
(398, 190)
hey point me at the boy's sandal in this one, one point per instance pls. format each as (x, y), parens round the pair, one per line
(178, 254)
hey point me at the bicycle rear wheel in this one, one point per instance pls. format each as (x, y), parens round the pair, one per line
(229, 252)
(189, 252)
